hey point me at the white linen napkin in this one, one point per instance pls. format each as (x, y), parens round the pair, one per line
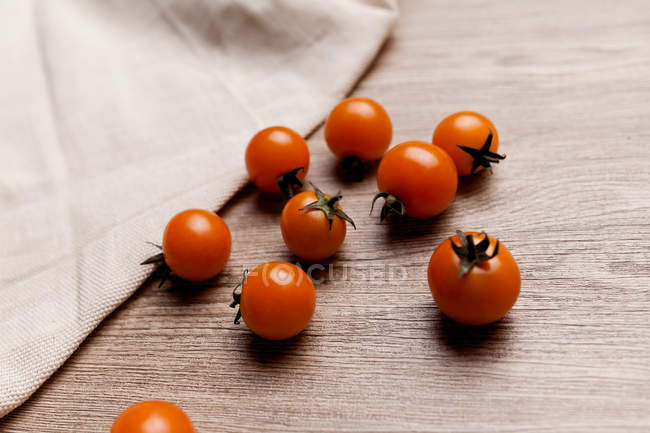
(115, 115)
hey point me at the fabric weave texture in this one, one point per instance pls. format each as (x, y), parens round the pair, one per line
(115, 115)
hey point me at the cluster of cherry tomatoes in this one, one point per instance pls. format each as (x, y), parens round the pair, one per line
(473, 278)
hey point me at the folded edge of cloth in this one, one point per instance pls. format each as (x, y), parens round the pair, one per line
(116, 115)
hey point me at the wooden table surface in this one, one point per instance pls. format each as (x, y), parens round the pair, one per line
(568, 85)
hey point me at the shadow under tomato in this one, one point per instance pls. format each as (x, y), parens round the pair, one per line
(162, 279)
(267, 203)
(247, 190)
(400, 228)
(487, 340)
(368, 172)
(318, 272)
(187, 291)
(474, 184)
(268, 352)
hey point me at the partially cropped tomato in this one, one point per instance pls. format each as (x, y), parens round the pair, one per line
(470, 139)
(314, 225)
(196, 244)
(277, 300)
(277, 159)
(153, 417)
(473, 278)
(416, 178)
(358, 130)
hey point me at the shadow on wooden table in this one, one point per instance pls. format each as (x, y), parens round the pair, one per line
(269, 353)
(474, 185)
(407, 227)
(189, 292)
(487, 340)
(368, 172)
(267, 203)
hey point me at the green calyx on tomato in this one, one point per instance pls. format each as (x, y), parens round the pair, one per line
(156, 258)
(163, 271)
(483, 157)
(236, 297)
(329, 206)
(471, 254)
(289, 180)
(392, 205)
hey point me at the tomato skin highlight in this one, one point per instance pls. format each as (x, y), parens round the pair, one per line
(274, 152)
(422, 176)
(307, 232)
(153, 416)
(277, 300)
(465, 128)
(358, 127)
(196, 244)
(484, 295)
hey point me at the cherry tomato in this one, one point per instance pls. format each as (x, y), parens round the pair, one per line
(416, 178)
(196, 244)
(470, 139)
(153, 417)
(358, 127)
(473, 278)
(314, 225)
(277, 158)
(277, 300)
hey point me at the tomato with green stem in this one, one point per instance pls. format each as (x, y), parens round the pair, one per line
(277, 300)
(277, 160)
(196, 245)
(153, 416)
(314, 225)
(473, 278)
(358, 130)
(417, 179)
(470, 139)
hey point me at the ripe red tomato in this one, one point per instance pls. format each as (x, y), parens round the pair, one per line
(470, 139)
(416, 178)
(277, 300)
(358, 127)
(314, 225)
(153, 417)
(196, 244)
(277, 159)
(473, 278)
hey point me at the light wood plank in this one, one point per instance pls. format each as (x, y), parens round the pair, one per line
(568, 86)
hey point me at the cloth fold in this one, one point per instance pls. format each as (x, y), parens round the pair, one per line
(115, 115)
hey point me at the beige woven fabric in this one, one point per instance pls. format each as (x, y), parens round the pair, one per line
(114, 115)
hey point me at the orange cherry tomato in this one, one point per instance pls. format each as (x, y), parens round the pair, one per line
(473, 287)
(358, 127)
(470, 139)
(277, 300)
(416, 178)
(313, 225)
(153, 417)
(196, 244)
(277, 158)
